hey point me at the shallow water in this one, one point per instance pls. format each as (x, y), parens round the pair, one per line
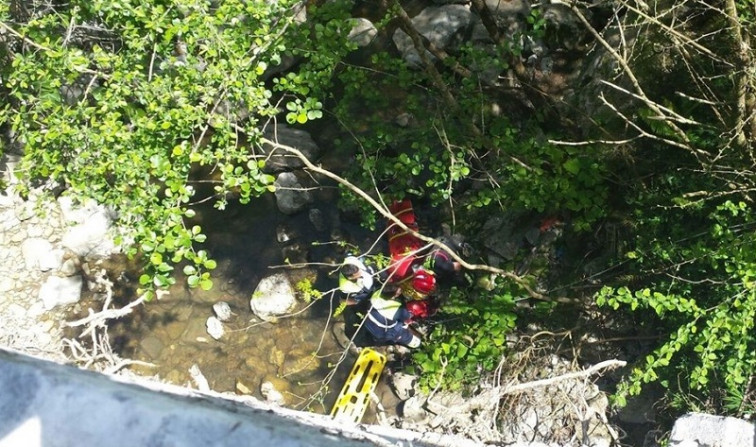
(297, 354)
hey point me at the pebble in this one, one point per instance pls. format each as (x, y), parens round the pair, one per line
(222, 310)
(214, 328)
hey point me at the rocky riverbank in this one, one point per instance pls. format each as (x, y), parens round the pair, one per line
(31, 265)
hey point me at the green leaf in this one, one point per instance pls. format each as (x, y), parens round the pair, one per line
(572, 166)
(156, 258)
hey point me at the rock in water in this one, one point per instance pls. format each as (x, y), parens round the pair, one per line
(271, 395)
(222, 310)
(198, 378)
(274, 296)
(214, 328)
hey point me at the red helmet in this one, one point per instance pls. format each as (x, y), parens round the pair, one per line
(424, 282)
(419, 308)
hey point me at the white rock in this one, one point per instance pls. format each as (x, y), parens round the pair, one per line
(199, 378)
(439, 24)
(363, 32)
(271, 394)
(69, 267)
(6, 284)
(6, 201)
(52, 261)
(222, 310)
(89, 235)
(708, 430)
(404, 385)
(273, 296)
(34, 250)
(214, 328)
(57, 291)
(414, 410)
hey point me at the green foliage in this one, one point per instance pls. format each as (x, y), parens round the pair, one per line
(128, 110)
(709, 321)
(470, 340)
(307, 290)
(537, 23)
(436, 154)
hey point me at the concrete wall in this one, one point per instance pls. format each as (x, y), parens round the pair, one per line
(49, 405)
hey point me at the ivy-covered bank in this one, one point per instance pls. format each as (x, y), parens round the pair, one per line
(625, 133)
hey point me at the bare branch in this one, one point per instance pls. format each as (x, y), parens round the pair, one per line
(383, 210)
(626, 68)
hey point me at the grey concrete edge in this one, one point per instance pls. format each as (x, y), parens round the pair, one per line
(43, 403)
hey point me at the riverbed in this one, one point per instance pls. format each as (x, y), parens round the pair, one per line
(303, 355)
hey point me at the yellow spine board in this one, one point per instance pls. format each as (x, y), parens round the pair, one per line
(354, 397)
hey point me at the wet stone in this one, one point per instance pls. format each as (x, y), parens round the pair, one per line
(276, 357)
(317, 219)
(152, 347)
(195, 329)
(278, 383)
(241, 388)
(174, 329)
(271, 394)
(182, 312)
(300, 363)
(222, 310)
(175, 376)
(214, 328)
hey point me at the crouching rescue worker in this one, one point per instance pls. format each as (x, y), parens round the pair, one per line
(388, 320)
(355, 280)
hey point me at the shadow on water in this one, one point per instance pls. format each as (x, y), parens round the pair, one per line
(295, 354)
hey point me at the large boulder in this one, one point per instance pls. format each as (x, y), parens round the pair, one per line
(88, 234)
(57, 291)
(363, 32)
(706, 430)
(291, 195)
(39, 254)
(279, 160)
(439, 24)
(274, 296)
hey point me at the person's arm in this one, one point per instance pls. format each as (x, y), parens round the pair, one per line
(403, 316)
(443, 264)
(359, 297)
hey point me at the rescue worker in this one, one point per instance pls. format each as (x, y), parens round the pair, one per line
(441, 263)
(355, 280)
(388, 319)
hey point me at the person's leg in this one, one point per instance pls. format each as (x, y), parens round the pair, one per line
(405, 336)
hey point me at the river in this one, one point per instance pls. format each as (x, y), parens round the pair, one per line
(299, 354)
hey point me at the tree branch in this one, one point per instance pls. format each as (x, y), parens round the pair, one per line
(383, 210)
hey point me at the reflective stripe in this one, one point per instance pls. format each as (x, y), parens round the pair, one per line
(378, 323)
(348, 286)
(385, 308)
